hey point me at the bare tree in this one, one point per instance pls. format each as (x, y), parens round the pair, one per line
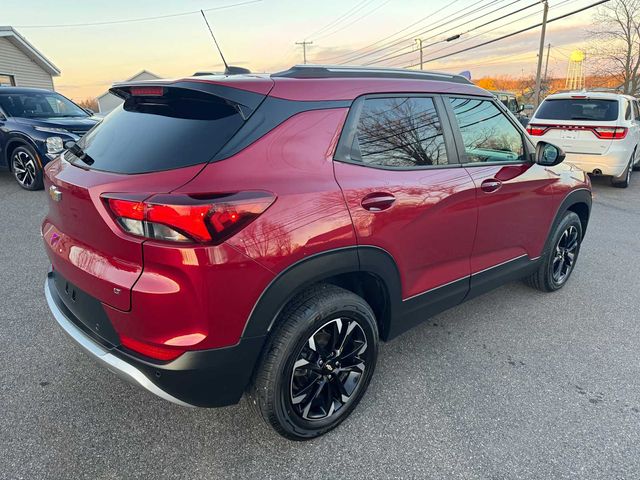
(616, 43)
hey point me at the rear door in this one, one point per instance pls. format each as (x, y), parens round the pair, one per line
(514, 195)
(406, 191)
(157, 141)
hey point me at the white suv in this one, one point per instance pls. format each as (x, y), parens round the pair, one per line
(599, 132)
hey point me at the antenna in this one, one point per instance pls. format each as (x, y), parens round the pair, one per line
(226, 67)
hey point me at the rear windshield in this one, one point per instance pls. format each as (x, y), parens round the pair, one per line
(148, 134)
(578, 109)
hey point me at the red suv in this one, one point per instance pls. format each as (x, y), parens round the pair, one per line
(262, 233)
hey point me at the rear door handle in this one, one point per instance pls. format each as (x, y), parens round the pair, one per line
(490, 185)
(377, 201)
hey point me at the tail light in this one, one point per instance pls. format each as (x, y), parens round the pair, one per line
(536, 130)
(186, 218)
(157, 352)
(610, 133)
(605, 133)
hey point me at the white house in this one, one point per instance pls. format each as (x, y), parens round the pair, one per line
(107, 101)
(21, 64)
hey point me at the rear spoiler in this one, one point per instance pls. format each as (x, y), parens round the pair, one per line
(248, 100)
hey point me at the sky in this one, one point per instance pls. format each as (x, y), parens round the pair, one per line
(261, 35)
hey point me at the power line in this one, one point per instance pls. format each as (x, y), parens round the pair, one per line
(488, 42)
(395, 33)
(338, 20)
(419, 32)
(391, 55)
(519, 19)
(354, 21)
(142, 19)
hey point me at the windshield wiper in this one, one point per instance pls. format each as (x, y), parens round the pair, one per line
(81, 155)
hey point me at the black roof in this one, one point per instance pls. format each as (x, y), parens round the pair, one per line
(24, 90)
(330, 71)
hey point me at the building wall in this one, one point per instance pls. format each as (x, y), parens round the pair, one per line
(25, 71)
(107, 102)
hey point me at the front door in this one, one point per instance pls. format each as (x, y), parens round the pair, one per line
(514, 195)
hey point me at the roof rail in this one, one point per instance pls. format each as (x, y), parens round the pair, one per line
(339, 71)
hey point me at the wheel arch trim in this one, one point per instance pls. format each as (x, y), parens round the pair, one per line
(16, 141)
(575, 197)
(316, 268)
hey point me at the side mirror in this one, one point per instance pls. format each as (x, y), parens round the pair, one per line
(520, 108)
(548, 154)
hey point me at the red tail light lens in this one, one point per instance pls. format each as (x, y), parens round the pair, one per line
(157, 352)
(184, 218)
(610, 133)
(536, 130)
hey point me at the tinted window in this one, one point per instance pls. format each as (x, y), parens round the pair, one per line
(149, 134)
(578, 109)
(636, 110)
(488, 135)
(39, 105)
(399, 132)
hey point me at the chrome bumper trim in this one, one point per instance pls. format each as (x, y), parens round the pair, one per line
(116, 365)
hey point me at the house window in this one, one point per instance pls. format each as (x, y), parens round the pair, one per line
(7, 80)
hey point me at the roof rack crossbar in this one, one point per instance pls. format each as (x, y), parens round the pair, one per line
(331, 71)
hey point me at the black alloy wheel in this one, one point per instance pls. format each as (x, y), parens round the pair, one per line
(317, 363)
(565, 255)
(328, 369)
(561, 254)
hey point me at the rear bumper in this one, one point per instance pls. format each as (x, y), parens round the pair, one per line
(614, 163)
(205, 378)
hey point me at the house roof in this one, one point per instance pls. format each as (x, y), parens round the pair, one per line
(29, 50)
(132, 78)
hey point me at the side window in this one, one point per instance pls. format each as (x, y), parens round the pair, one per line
(636, 110)
(399, 132)
(488, 135)
(627, 111)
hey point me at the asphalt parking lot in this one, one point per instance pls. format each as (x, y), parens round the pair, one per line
(515, 384)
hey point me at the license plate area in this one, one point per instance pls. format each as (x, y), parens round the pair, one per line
(85, 311)
(569, 135)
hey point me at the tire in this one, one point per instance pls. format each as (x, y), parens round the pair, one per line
(563, 247)
(25, 165)
(299, 389)
(626, 176)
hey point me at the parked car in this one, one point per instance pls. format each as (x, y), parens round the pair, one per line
(34, 126)
(600, 132)
(510, 101)
(263, 233)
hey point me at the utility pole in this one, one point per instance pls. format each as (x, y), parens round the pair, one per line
(304, 49)
(419, 42)
(545, 13)
(546, 66)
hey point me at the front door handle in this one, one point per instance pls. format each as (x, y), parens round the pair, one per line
(378, 201)
(491, 185)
